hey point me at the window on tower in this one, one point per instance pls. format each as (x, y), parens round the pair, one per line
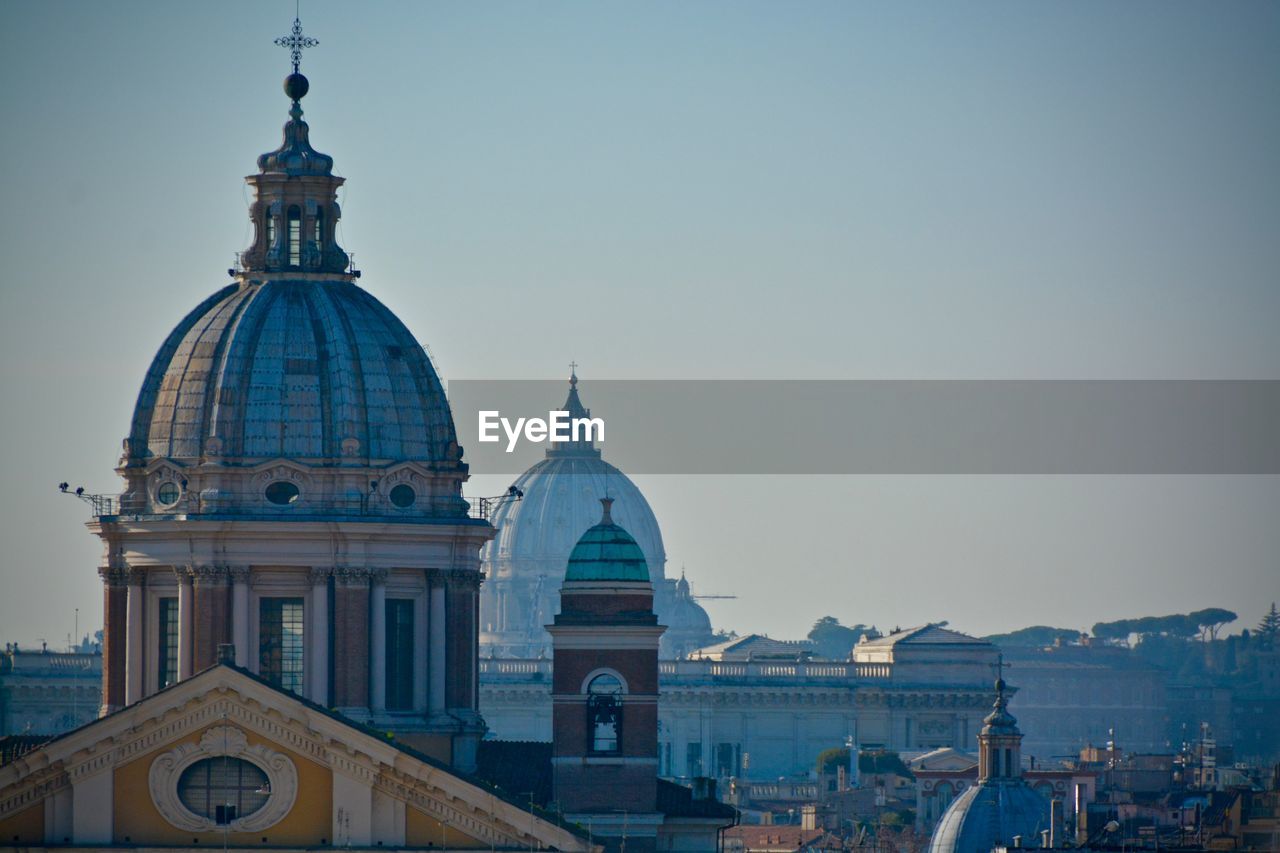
(168, 652)
(399, 654)
(604, 713)
(280, 642)
(317, 233)
(295, 237)
(271, 228)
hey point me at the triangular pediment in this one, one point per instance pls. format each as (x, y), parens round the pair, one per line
(314, 778)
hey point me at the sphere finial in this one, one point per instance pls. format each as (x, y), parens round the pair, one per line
(296, 86)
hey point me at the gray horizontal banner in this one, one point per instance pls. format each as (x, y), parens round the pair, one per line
(886, 427)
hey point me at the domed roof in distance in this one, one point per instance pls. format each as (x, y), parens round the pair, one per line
(990, 814)
(310, 370)
(606, 552)
(561, 500)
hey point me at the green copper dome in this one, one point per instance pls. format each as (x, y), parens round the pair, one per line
(606, 552)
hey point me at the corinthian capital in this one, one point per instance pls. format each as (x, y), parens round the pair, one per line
(210, 575)
(348, 576)
(114, 575)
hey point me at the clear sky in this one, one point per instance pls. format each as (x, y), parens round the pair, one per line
(708, 189)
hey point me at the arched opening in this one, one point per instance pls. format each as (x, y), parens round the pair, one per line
(604, 714)
(295, 237)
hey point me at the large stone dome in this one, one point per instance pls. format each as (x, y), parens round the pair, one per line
(292, 391)
(318, 372)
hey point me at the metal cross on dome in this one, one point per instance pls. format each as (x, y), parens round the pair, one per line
(296, 42)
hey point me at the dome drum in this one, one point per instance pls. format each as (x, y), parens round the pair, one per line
(285, 489)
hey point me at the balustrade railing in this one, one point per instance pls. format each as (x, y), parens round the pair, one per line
(709, 670)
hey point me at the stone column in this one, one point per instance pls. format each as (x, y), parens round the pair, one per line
(378, 640)
(351, 635)
(115, 621)
(462, 588)
(318, 637)
(436, 655)
(212, 614)
(135, 604)
(421, 644)
(240, 613)
(186, 617)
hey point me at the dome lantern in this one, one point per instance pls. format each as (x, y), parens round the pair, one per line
(295, 212)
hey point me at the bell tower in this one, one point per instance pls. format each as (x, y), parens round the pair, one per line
(1000, 741)
(605, 690)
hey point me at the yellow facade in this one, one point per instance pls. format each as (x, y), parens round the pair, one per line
(422, 830)
(137, 821)
(25, 827)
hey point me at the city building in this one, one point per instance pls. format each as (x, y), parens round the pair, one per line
(605, 701)
(46, 692)
(291, 594)
(1070, 696)
(1001, 810)
(293, 487)
(915, 689)
(227, 758)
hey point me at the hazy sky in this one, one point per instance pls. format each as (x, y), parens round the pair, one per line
(692, 189)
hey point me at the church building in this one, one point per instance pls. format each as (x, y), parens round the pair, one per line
(291, 586)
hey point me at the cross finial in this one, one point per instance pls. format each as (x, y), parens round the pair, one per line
(296, 42)
(998, 666)
(573, 373)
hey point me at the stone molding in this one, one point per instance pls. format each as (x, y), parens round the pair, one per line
(318, 575)
(114, 576)
(280, 720)
(239, 574)
(167, 769)
(455, 579)
(350, 577)
(206, 575)
(378, 576)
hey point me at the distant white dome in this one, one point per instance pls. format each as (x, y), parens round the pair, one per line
(525, 563)
(561, 502)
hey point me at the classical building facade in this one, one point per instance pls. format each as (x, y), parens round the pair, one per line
(605, 701)
(293, 488)
(1072, 696)
(225, 758)
(524, 564)
(48, 692)
(916, 689)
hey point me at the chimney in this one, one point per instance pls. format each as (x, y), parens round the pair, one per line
(704, 788)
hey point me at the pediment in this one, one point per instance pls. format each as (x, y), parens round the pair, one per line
(301, 753)
(281, 469)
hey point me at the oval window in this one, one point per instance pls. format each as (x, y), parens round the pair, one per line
(223, 789)
(282, 493)
(168, 494)
(403, 496)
